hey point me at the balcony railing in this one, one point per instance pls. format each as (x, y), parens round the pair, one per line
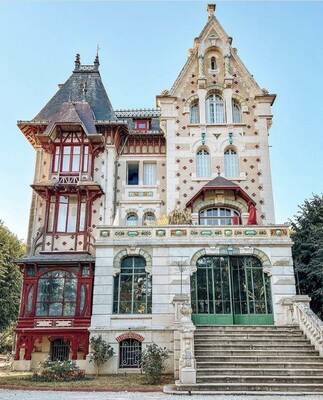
(71, 179)
(191, 232)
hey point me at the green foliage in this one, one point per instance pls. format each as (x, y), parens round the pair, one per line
(100, 353)
(11, 248)
(153, 362)
(58, 371)
(307, 234)
(6, 339)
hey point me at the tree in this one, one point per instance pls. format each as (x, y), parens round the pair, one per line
(100, 353)
(307, 234)
(11, 248)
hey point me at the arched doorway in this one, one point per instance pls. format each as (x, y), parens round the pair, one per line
(229, 290)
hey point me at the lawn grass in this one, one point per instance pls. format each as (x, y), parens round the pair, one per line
(119, 382)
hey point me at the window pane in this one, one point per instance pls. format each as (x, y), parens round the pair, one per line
(72, 214)
(82, 216)
(231, 167)
(55, 309)
(76, 159)
(194, 114)
(85, 158)
(51, 213)
(203, 169)
(70, 290)
(150, 173)
(69, 309)
(56, 159)
(62, 213)
(66, 158)
(132, 220)
(133, 174)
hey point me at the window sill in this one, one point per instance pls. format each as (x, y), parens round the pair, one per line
(131, 316)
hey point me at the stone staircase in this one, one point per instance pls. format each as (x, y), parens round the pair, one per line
(249, 359)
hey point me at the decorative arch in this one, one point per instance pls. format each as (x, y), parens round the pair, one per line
(130, 251)
(238, 205)
(130, 335)
(243, 251)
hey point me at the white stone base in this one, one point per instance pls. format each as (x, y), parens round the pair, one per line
(21, 365)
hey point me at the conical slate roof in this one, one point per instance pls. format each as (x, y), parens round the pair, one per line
(84, 85)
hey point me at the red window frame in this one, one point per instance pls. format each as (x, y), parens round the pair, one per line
(84, 283)
(145, 122)
(54, 209)
(71, 142)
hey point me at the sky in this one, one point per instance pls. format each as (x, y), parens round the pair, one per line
(143, 46)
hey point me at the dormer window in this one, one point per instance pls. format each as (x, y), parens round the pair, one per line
(142, 124)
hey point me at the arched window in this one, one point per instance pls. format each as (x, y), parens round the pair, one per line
(213, 64)
(132, 219)
(129, 353)
(203, 164)
(214, 109)
(236, 112)
(56, 294)
(132, 287)
(219, 216)
(194, 113)
(231, 164)
(149, 218)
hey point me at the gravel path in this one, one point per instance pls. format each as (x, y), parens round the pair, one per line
(40, 395)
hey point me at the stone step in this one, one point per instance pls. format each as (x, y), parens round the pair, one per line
(215, 388)
(260, 353)
(244, 328)
(245, 346)
(255, 341)
(260, 379)
(240, 335)
(251, 344)
(239, 366)
(260, 359)
(209, 372)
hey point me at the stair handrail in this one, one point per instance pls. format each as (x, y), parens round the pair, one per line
(308, 321)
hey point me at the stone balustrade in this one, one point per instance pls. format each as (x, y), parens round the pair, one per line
(190, 232)
(300, 313)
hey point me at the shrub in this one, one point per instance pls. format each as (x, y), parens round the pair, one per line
(100, 353)
(59, 371)
(152, 362)
(6, 339)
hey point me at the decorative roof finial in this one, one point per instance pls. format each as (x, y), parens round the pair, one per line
(219, 170)
(211, 10)
(77, 61)
(96, 60)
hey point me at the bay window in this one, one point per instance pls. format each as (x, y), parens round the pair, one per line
(71, 159)
(56, 294)
(67, 213)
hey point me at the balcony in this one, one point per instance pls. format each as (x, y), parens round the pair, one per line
(164, 235)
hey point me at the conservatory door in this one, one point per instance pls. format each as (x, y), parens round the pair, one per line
(230, 290)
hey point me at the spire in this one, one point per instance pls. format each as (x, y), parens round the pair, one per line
(77, 62)
(211, 10)
(96, 60)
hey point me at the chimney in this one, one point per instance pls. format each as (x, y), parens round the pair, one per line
(211, 10)
(77, 62)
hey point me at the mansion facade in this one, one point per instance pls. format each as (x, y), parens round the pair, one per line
(135, 212)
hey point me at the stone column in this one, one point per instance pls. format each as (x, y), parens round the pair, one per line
(227, 98)
(185, 334)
